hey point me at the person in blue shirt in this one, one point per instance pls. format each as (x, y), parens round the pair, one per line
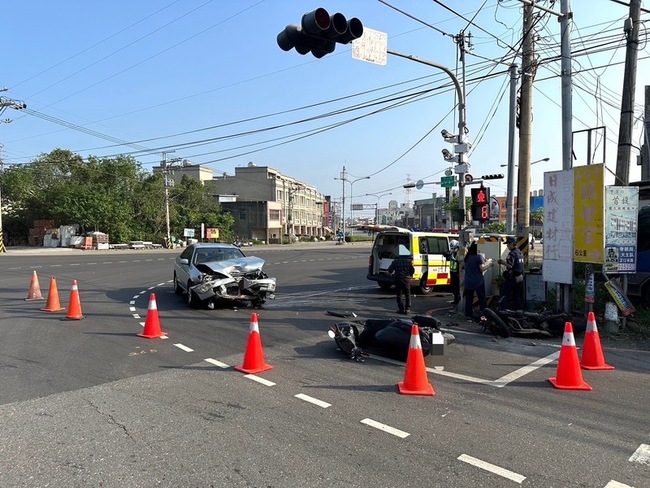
(474, 282)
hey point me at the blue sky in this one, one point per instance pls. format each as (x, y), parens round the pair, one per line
(197, 77)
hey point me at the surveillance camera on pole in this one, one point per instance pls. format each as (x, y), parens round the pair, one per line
(319, 32)
(449, 137)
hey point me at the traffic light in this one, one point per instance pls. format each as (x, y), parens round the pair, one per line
(497, 176)
(319, 32)
(481, 204)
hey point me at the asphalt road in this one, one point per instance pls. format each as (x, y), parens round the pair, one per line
(89, 403)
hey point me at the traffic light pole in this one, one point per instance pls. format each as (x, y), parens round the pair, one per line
(461, 169)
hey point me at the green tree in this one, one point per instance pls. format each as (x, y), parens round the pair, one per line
(111, 195)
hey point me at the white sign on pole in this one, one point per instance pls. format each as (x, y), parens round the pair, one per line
(372, 47)
(558, 227)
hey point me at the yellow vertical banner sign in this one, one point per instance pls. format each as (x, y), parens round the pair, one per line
(588, 198)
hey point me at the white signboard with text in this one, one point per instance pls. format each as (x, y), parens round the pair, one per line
(558, 227)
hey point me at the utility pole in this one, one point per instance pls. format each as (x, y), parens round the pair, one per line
(528, 72)
(4, 104)
(510, 199)
(627, 101)
(169, 182)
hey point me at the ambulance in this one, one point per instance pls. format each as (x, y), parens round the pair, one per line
(429, 251)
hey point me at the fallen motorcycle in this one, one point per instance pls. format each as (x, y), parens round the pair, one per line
(545, 323)
(385, 337)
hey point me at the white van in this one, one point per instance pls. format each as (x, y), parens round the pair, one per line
(429, 251)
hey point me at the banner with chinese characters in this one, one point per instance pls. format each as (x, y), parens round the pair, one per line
(558, 227)
(588, 212)
(621, 228)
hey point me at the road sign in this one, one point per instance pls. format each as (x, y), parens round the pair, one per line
(372, 46)
(468, 178)
(447, 181)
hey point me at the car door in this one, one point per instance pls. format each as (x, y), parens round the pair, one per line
(183, 269)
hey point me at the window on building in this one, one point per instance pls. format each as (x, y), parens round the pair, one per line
(274, 215)
(242, 215)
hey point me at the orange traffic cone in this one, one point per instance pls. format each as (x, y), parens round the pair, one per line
(592, 351)
(569, 376)
(74, 307)
(152, 322)
(34, 292)
(415, 376)
(52, 304)
(254, 356)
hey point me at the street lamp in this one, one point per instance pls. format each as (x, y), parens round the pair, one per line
(344, 177)
(377, 207)
(510, 198)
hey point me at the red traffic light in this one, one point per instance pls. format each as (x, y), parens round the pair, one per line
(480, 196)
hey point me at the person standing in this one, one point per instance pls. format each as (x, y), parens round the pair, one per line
(475, 264)
(402, 270)
(454, 271)
(513, 285)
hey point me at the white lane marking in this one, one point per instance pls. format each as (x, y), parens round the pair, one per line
(385, 428)
(137, 316)
(107, 262)
(216, 363)
(56, 265)
(498, 383)
(142, 292)
(313, 400)
(259, 380)
(75, 264)
(641, 455)
(132, 309)
(184, 348)
(511, 475)
(515, 375)
(162, 284)
(132, 302)
(616, 484)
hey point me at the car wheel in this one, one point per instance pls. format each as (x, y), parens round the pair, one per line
(178, 289)
(192, 299)
(384, 286)
(423, 287)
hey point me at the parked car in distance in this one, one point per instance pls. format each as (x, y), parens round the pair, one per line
(210, 273)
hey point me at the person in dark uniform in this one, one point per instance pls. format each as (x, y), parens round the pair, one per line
(454, 271)
(513, 284)
(402, 269)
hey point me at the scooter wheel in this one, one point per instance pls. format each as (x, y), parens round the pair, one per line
(496, 324)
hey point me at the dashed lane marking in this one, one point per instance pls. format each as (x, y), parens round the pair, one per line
(492, 468)
(184, 348)
(259, 380)
(219, 364)
(616, 484)
(386, 428)
(641, 455)
(313, 400)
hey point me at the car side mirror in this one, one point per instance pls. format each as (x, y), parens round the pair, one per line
(183, 261)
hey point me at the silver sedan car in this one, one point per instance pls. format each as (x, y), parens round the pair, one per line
(210, 273)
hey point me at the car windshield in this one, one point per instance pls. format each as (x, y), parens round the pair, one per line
(208, 255)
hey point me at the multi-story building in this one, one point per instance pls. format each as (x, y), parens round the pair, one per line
(270, 206)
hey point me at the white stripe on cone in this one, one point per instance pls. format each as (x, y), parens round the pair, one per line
(152, 304)
(568, 339)
(255, 327)
(415, 342)
(591, 326)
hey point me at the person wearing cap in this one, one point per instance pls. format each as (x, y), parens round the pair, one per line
(454, 271)
(402, 269)
(513, 284)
